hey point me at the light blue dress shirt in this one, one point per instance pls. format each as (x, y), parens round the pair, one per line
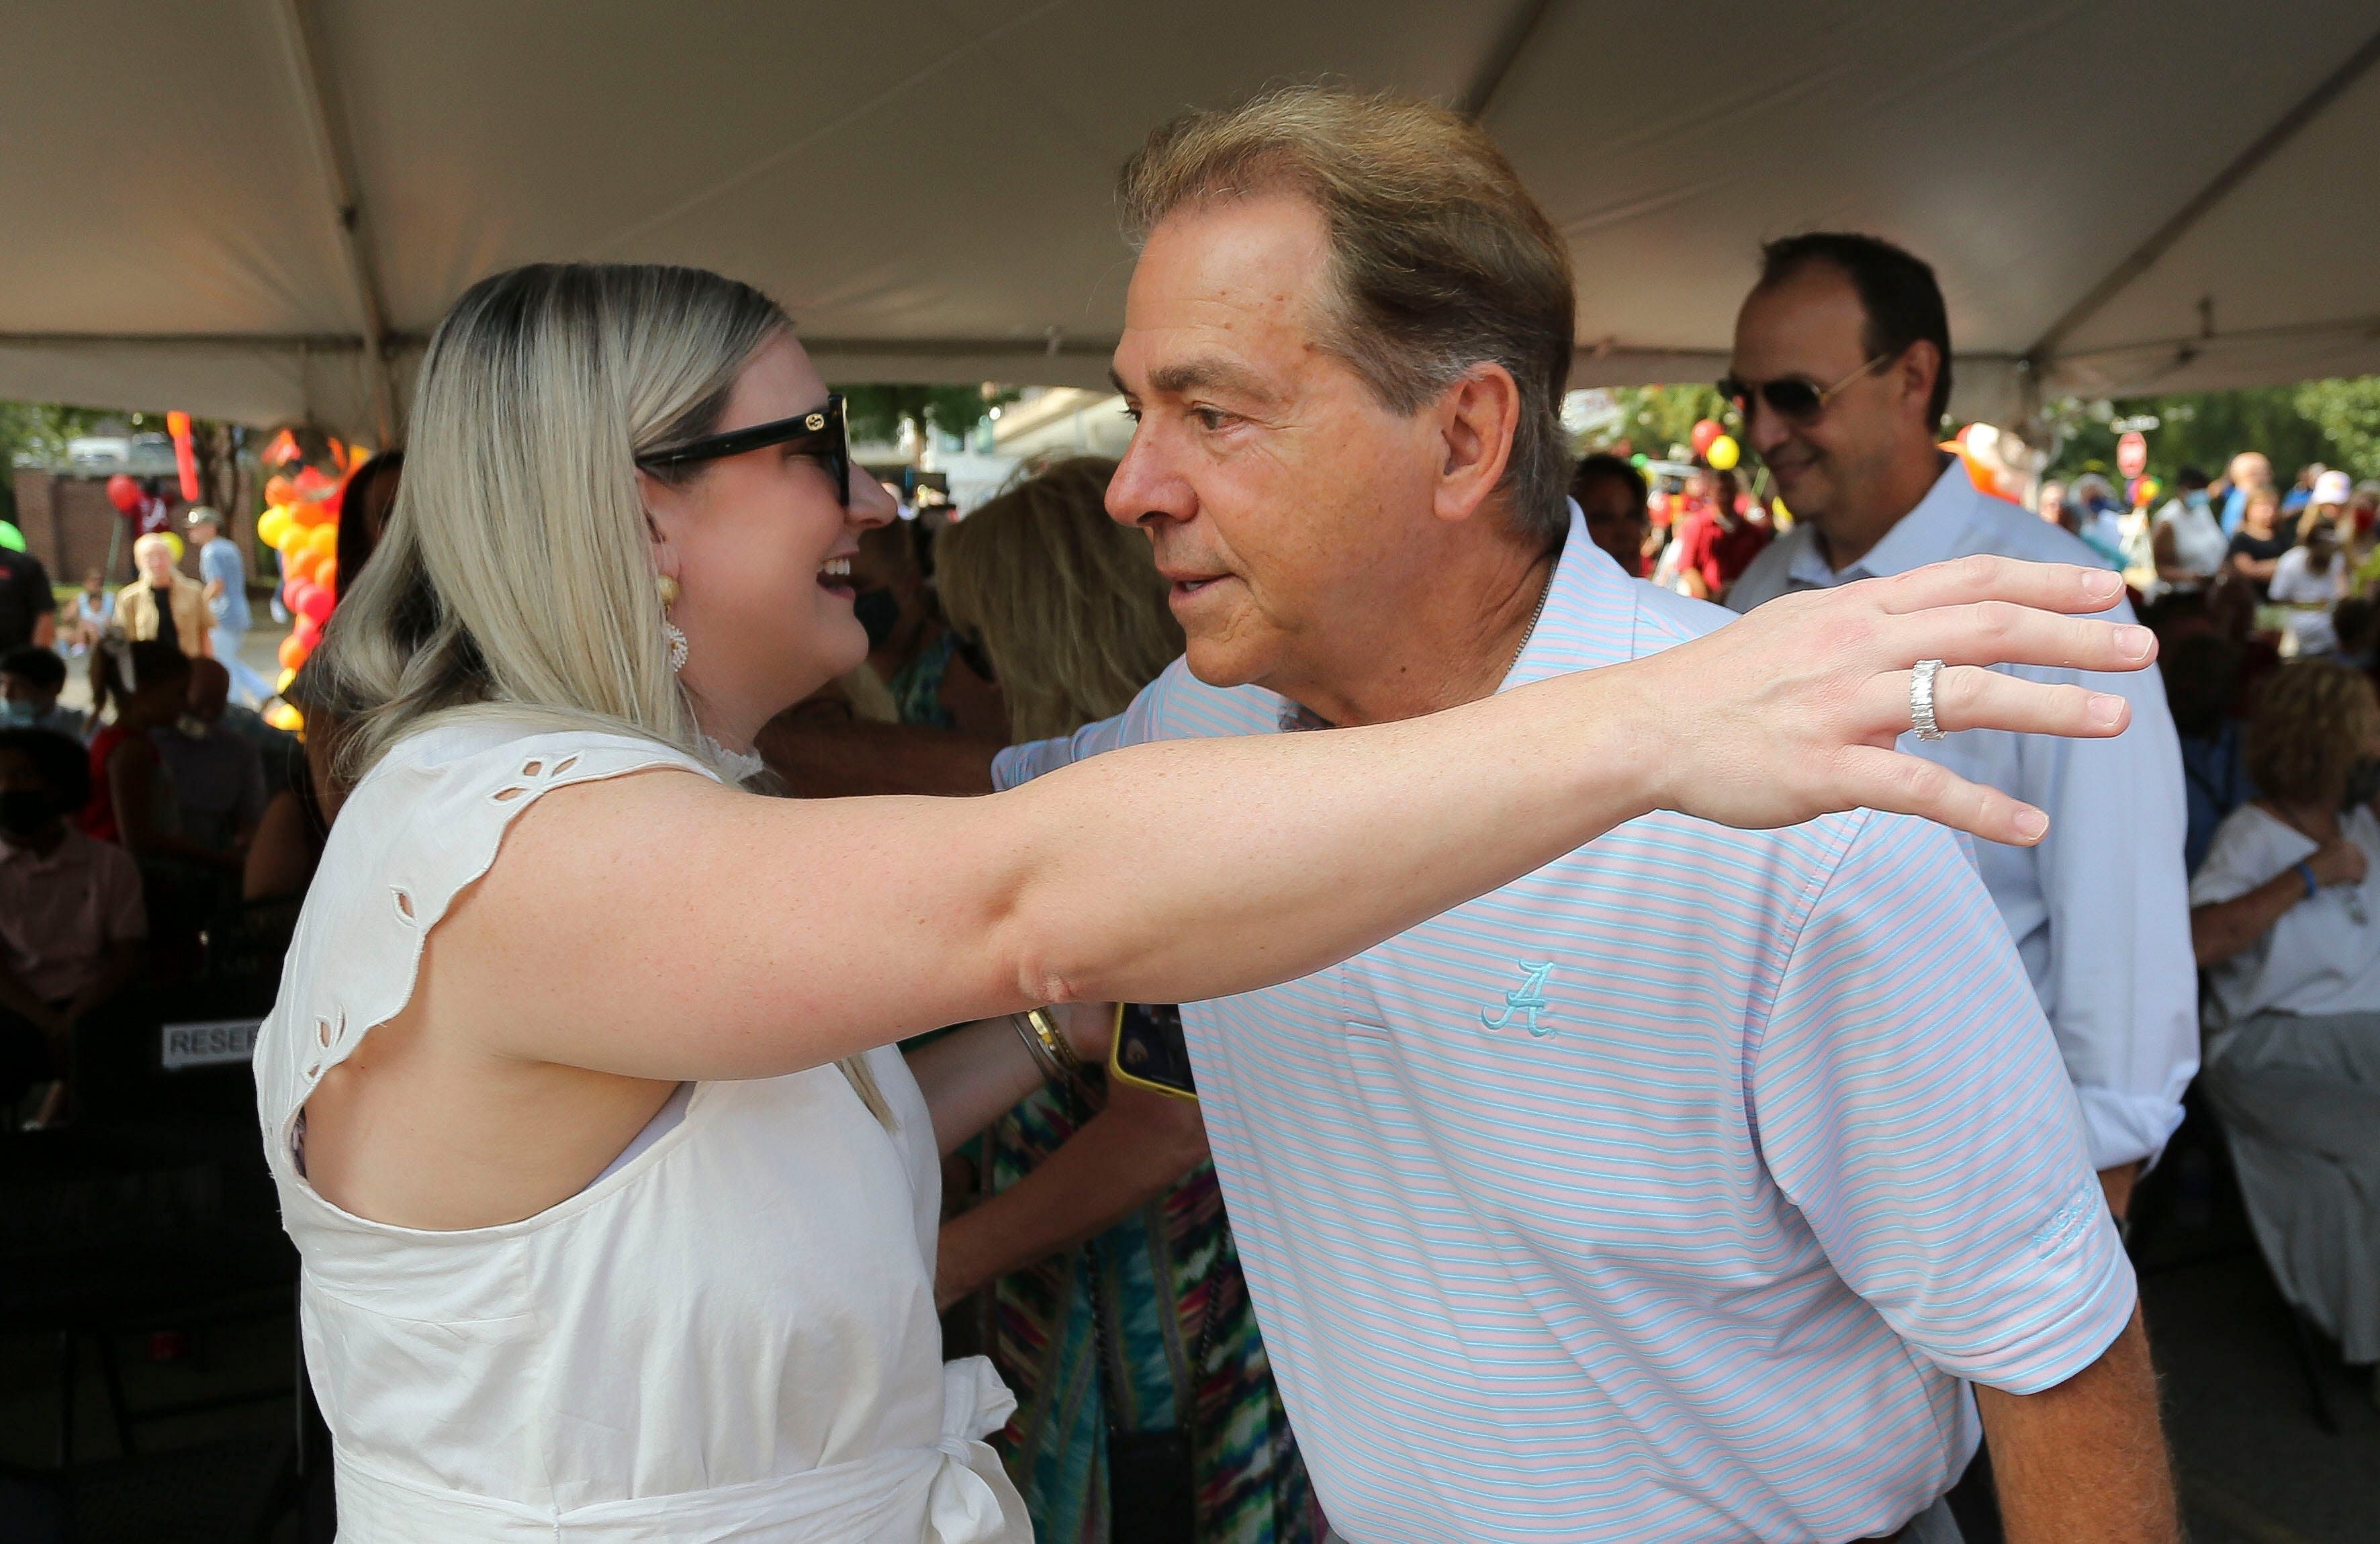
(2099, 910)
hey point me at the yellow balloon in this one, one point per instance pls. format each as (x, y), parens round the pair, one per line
(272, 526)
(283, 684)
(1723, 454)
(323, 540)
(174, 542)
(281, 715)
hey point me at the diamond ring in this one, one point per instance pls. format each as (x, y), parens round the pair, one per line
(1920, 699)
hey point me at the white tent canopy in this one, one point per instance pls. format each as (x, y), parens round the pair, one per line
(257, 209)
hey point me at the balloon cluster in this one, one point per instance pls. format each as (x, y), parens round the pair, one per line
(1714, 445)
(301, 522)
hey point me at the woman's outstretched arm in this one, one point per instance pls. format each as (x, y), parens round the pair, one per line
(663, 928)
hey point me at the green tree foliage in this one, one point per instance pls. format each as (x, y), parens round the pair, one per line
(2292, 425)
(35, 433)
(1655, 419)
(2348, 414)
(876, 413)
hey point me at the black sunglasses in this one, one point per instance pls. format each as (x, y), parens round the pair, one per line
(1795, 399)
(818, 435)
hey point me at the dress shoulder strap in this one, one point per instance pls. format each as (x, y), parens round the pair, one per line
(423, 825)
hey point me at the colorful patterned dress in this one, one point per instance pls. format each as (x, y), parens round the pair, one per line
(1156, 1270)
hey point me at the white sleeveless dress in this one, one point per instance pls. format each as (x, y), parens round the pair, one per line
(731, 1337)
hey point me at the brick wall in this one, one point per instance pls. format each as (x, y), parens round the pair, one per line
(68, 520)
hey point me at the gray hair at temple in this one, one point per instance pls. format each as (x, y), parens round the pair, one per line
(1441, 260)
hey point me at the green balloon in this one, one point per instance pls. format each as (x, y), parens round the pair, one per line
(11, 537)
(1638, 460)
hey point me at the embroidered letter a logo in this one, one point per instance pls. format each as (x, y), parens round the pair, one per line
(1525, 1002)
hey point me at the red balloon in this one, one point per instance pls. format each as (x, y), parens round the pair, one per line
(125, 493)
(316, 605)
(294, 592)
(1706, 431)
(308, 632)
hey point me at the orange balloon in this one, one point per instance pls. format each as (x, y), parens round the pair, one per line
(312, 515)
(280, 490)
(293, 653)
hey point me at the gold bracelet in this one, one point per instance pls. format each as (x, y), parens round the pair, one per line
(1051, 1069)
(1054, 1042)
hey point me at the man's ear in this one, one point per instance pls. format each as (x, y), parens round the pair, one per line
(1479, 417)
(1919, 368)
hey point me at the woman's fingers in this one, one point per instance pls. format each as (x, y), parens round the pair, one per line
(1967, 696)
(1911, 785)
(2059, 587)
(1999, 632)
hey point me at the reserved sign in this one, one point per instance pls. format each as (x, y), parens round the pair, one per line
(215, 1043)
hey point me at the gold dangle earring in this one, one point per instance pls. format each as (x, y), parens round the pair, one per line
(670, 629)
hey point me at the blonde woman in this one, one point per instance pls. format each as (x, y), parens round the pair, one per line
(2285, 918)
(617, 1213)
(165, 602)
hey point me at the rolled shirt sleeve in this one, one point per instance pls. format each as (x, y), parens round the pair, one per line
(1909, 1099)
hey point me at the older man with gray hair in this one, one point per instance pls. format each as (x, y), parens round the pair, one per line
(1681, 1189)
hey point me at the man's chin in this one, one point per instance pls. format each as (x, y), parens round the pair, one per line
(1223, 662)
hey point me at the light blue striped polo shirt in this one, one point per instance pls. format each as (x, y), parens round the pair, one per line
(1667, 1193)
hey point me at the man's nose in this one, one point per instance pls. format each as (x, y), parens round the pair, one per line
(1145, 486)
(1763, 432)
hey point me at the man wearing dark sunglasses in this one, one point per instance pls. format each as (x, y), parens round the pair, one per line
(1841, 377)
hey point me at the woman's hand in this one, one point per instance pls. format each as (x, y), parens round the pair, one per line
(1793, 711)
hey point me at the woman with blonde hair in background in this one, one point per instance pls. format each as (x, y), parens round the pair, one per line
(2285, 918)
(165, 602)
(616, 1213)
(1117, 1311)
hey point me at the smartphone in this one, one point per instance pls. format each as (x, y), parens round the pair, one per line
(1149, 1052)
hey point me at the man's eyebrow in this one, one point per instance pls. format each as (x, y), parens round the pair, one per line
(1181, 377)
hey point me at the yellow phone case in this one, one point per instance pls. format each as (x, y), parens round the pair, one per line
(1116, 1069)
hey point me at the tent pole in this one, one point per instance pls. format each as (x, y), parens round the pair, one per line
(333, 159)
(2266, 145)
(1498, 67)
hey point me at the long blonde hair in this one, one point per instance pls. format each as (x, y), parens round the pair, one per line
(515, 571)
(514, 575)
(1069, 604)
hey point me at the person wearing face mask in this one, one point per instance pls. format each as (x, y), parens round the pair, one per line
(165, 602)
(71, 919)
(2187, 540)
(1842, 375)
(31, 679)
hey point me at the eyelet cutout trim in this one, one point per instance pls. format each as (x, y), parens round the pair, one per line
(323, 1032)
(531, 768)
(404, 902)
(563, 765)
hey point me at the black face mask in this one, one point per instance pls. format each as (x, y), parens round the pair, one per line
(24, 812)
(879, 612)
